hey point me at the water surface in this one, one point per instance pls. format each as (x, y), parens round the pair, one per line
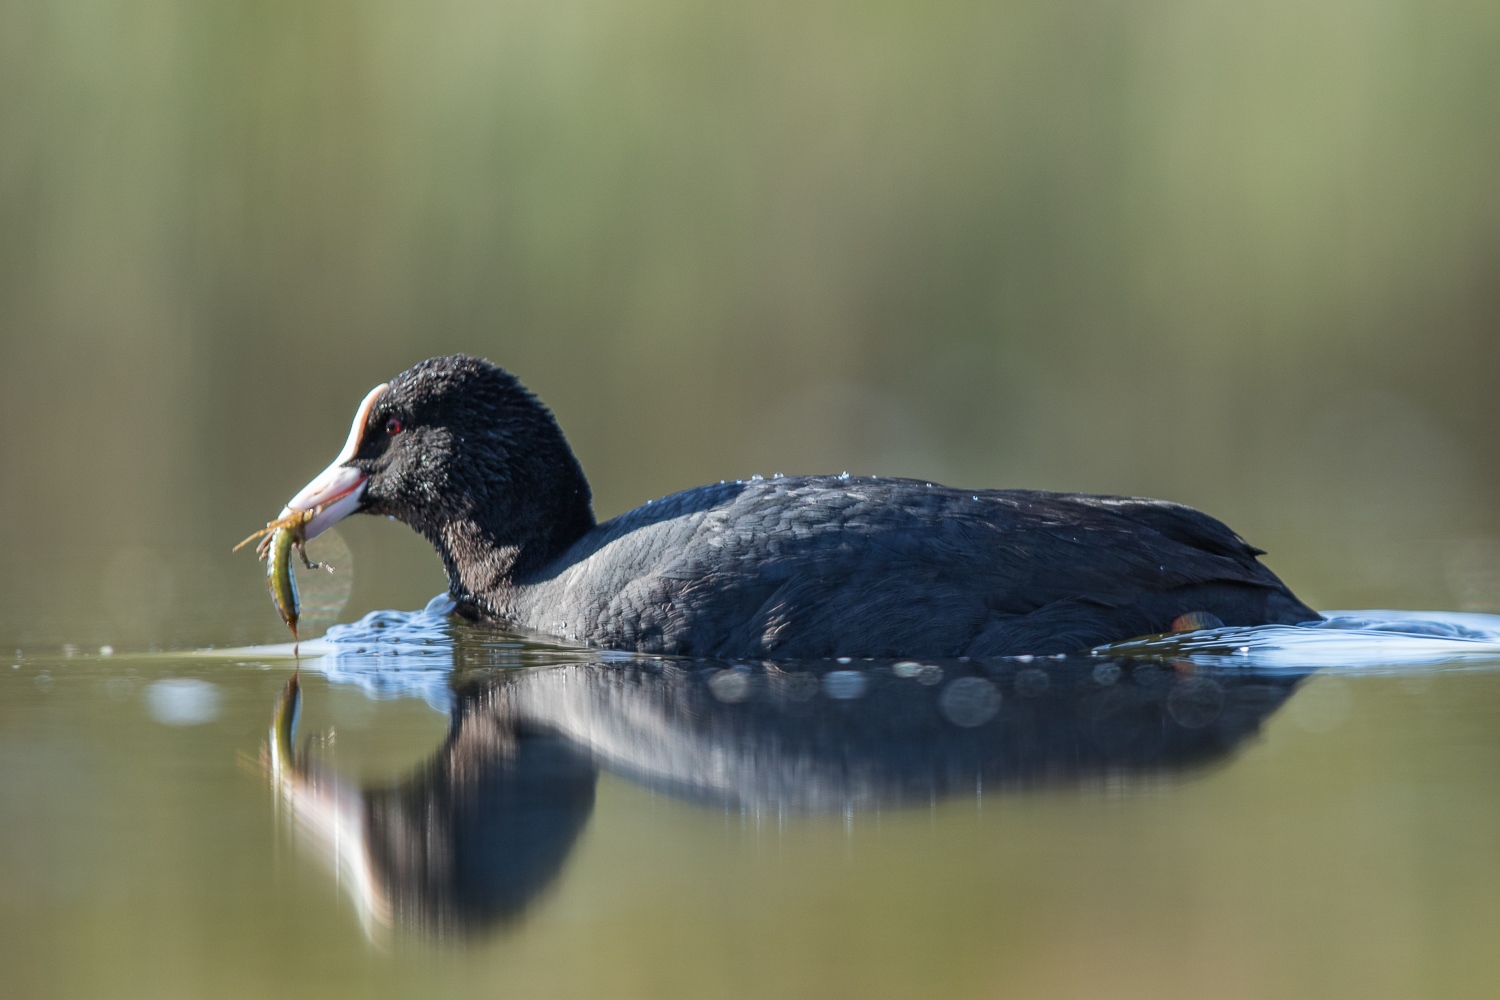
(461, 814)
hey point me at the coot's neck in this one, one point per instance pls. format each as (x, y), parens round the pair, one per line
(494, 545)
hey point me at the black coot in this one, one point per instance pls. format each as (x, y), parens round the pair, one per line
(783, 568)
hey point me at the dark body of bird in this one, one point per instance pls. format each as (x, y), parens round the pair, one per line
(798, 567)
(782, 568)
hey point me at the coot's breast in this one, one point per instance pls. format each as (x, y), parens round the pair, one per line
(830, 566)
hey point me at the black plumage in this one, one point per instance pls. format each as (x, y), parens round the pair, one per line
(790, 567)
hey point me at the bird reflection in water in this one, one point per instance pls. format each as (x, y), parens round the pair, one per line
(473, 835)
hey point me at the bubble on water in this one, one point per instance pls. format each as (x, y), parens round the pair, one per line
(844, 684)
(907, 668)
(1322, 705)
(1194, 702)
(1031, 682)
(970, 702)
(730, 685)
(323, 593)
(182, 701)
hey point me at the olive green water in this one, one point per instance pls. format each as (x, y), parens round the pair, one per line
(1239, 256)
(1349, 847)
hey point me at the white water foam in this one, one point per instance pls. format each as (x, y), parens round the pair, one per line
(1365, 641)
(386, 654)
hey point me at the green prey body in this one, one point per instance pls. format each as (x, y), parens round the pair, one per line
(279, 575)
(277, 540)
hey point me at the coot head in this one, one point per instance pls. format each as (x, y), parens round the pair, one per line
(458, 449)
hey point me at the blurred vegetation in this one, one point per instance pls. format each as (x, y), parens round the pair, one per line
(1240, 256)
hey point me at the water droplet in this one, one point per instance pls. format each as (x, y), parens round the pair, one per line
(1106, 674)
(1194, 702)
(970, 702)
(846, 659)
(106, 651)
(844, 685)
(183, 701)
(907, 668)
(326, 592)
(730, 685)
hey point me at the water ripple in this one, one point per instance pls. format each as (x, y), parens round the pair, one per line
(394, 654)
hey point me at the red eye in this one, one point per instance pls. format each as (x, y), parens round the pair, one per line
(393, 426)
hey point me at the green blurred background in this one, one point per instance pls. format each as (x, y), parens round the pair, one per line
(1239, 255)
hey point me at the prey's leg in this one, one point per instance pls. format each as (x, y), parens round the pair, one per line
(302, 552)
